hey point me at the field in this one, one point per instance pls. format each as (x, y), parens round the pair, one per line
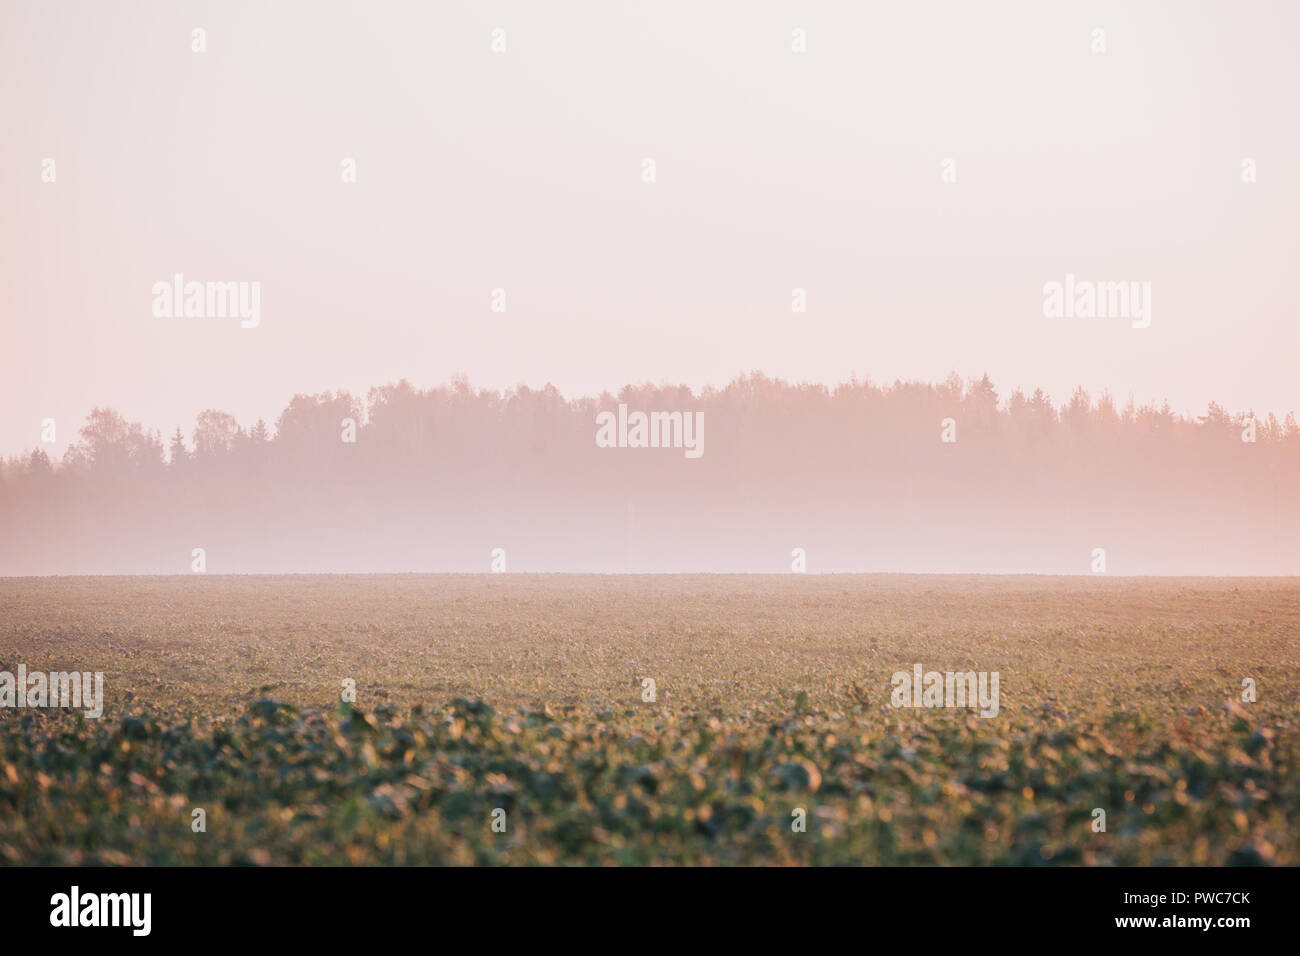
(772, 695)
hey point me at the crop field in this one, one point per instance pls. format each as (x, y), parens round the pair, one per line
(613, 720)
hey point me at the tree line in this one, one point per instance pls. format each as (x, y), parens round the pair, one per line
(910, 476)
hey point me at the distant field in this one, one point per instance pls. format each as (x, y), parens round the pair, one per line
(524, 693)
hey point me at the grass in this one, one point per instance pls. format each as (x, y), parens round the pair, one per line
(523, 694)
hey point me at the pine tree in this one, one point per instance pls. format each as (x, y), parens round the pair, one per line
(178, 455)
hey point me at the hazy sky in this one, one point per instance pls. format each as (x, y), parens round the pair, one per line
(522, 170)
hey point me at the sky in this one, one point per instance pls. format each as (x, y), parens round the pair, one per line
(523, 169)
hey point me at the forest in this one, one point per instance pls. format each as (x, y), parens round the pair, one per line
(942, 477)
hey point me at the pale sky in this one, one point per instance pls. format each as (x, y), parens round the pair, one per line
(522, 170)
